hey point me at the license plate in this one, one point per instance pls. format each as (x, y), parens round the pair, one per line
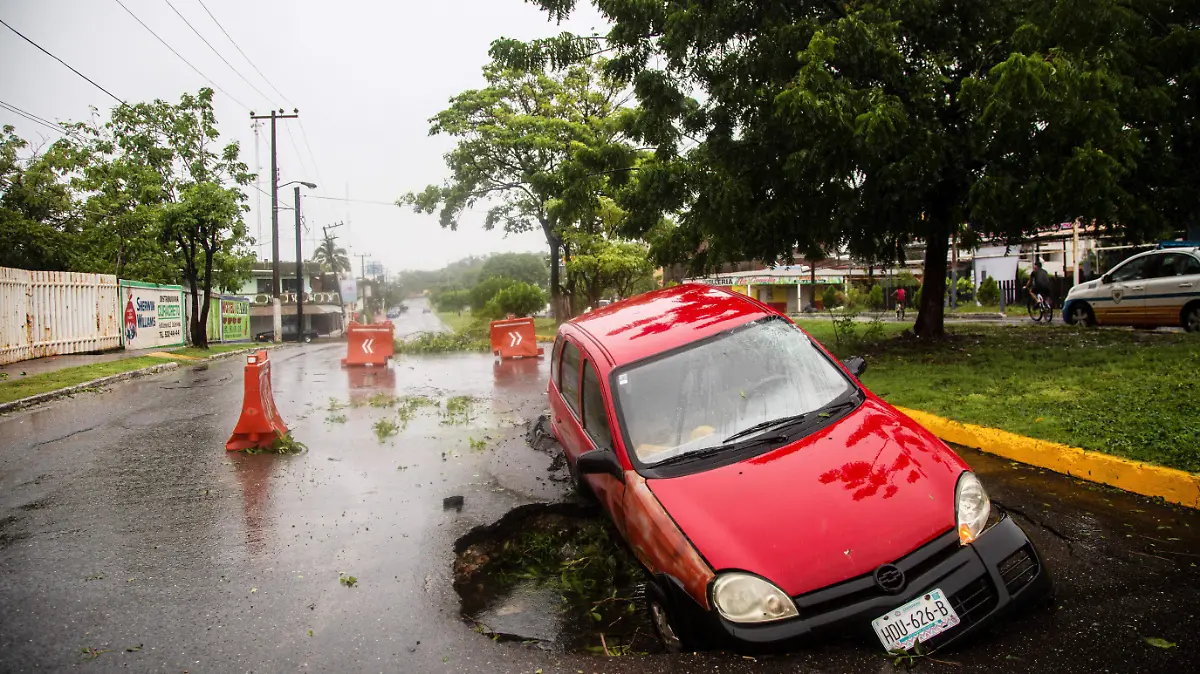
(918, 620)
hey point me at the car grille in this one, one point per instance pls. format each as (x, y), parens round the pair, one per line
(1018, 569)
(974, 601)
(863, 588)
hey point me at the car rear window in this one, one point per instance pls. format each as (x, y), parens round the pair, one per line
(695, 397)
(569, 376)
(1178, 264)
(595, 421)
(558, 342)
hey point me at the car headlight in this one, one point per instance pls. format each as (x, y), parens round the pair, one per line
(743, 598)
(971, 507)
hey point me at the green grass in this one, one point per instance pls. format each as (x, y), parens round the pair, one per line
(455, 321)
(17, 387)
(1127, 393)
(544, 328)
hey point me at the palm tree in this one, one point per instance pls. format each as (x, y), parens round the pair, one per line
(331, 257)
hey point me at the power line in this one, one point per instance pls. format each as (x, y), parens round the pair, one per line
(214, 50)
(38, 120)
(357, 201)
(299, 157)
(313, 157)
(164, 43)
(90, 80)
(235, 46)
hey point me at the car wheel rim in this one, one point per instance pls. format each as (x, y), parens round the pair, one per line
(662, 625)
(1079, 317)
(1193, 321)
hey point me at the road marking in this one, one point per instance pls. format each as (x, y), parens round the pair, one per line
(514, 338)
(367, 345)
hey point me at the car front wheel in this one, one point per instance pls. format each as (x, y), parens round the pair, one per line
(1081, 314)
(660, 619)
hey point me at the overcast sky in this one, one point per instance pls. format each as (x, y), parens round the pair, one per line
(366, 76)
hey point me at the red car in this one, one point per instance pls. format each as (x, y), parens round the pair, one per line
(768, 493)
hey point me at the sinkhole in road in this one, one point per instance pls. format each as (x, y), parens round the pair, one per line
(556, 576)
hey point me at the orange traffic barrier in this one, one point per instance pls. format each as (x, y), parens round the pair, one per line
(514, 338)
(259, 424)
(369, 344)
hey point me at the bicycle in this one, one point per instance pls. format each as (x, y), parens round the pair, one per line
(1040, 308)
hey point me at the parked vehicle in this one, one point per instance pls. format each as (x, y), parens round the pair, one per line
(769, 494)
(1157, 288)
(289, 334)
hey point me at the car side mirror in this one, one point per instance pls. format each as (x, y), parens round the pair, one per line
(1106, 279)
(857, 365)
(600, 462)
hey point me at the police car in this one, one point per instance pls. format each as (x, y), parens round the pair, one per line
(1160, 287)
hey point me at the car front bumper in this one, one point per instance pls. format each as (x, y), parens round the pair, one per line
(998, 573)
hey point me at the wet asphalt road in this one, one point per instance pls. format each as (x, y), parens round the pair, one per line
(124, 524)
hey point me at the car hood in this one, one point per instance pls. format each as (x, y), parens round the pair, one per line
(863, 491)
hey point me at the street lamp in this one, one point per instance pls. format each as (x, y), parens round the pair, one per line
(299, 269)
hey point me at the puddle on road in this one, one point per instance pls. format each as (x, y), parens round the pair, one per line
(556, 576)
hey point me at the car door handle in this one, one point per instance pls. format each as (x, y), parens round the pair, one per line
(1137, 287)
(1185, 285)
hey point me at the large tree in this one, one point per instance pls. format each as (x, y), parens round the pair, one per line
(163, 197)
(539, 147)
(38, 213)
(789, 127)
(331, 256)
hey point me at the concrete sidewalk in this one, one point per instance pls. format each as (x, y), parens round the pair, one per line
(54, 363)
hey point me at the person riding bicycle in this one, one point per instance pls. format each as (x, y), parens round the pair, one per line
(900, 296)
(1039, 284)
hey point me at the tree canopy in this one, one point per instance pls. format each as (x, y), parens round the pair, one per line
(525, 267)
(540, 148)
(801, 127)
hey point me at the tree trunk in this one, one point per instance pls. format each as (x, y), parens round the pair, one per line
(931, 315)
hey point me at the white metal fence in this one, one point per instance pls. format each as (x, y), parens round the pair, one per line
(47, 313)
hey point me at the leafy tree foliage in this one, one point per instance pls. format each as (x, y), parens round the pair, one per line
(540, 148)
(485, 290)
(875, 297)
(331, 256)
(605, 266)
(519, 299)
(524, 267)
(821, 125)
(452, 300)
(38, 214)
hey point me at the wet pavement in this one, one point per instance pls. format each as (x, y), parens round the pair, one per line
(126, 531)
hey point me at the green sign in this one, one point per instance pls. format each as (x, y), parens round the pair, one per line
(235, 319)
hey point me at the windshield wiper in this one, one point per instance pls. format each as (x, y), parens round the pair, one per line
(717, 449)
(781, 422)
(771, 423)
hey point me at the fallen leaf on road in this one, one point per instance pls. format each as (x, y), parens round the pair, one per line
(1158, 643)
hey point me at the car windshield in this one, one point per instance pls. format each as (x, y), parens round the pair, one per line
(695, 398)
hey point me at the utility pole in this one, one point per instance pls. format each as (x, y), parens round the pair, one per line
(275, 194)
(299, 276)
(362, 258)
(275, 114)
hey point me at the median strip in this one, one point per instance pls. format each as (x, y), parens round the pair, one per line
(1174, 486)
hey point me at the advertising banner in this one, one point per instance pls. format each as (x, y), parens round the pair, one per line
(235, 319)
(152, 315)
(349, 288)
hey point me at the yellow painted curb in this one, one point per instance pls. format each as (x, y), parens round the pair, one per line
(1175, 486)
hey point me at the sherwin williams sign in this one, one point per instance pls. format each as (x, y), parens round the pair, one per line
(235, 319)
(152, 315)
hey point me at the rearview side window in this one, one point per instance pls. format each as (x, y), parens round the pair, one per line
(595, 421)
(1130, 271)
(554, 355)
(569, 376)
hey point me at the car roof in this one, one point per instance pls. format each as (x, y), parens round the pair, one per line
(661, 320)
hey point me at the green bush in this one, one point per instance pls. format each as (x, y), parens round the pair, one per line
(966, 289)
(485, 290)
(452, 300)
(989, 291)
(916, 297)
(875, 297)
(855, 298)
(519, 299)
(829, 297)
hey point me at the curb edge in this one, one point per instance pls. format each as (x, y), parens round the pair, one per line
(1169, 484)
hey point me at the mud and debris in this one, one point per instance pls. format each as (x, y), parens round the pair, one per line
(555, 576)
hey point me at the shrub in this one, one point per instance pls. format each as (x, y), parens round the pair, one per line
(485, 290)
(452, 300)
(875, 297)
(519, 299)
(916, 297)
(855, 297)
(966, 289)
(989, 291)
(444, 342)
(829, 297)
